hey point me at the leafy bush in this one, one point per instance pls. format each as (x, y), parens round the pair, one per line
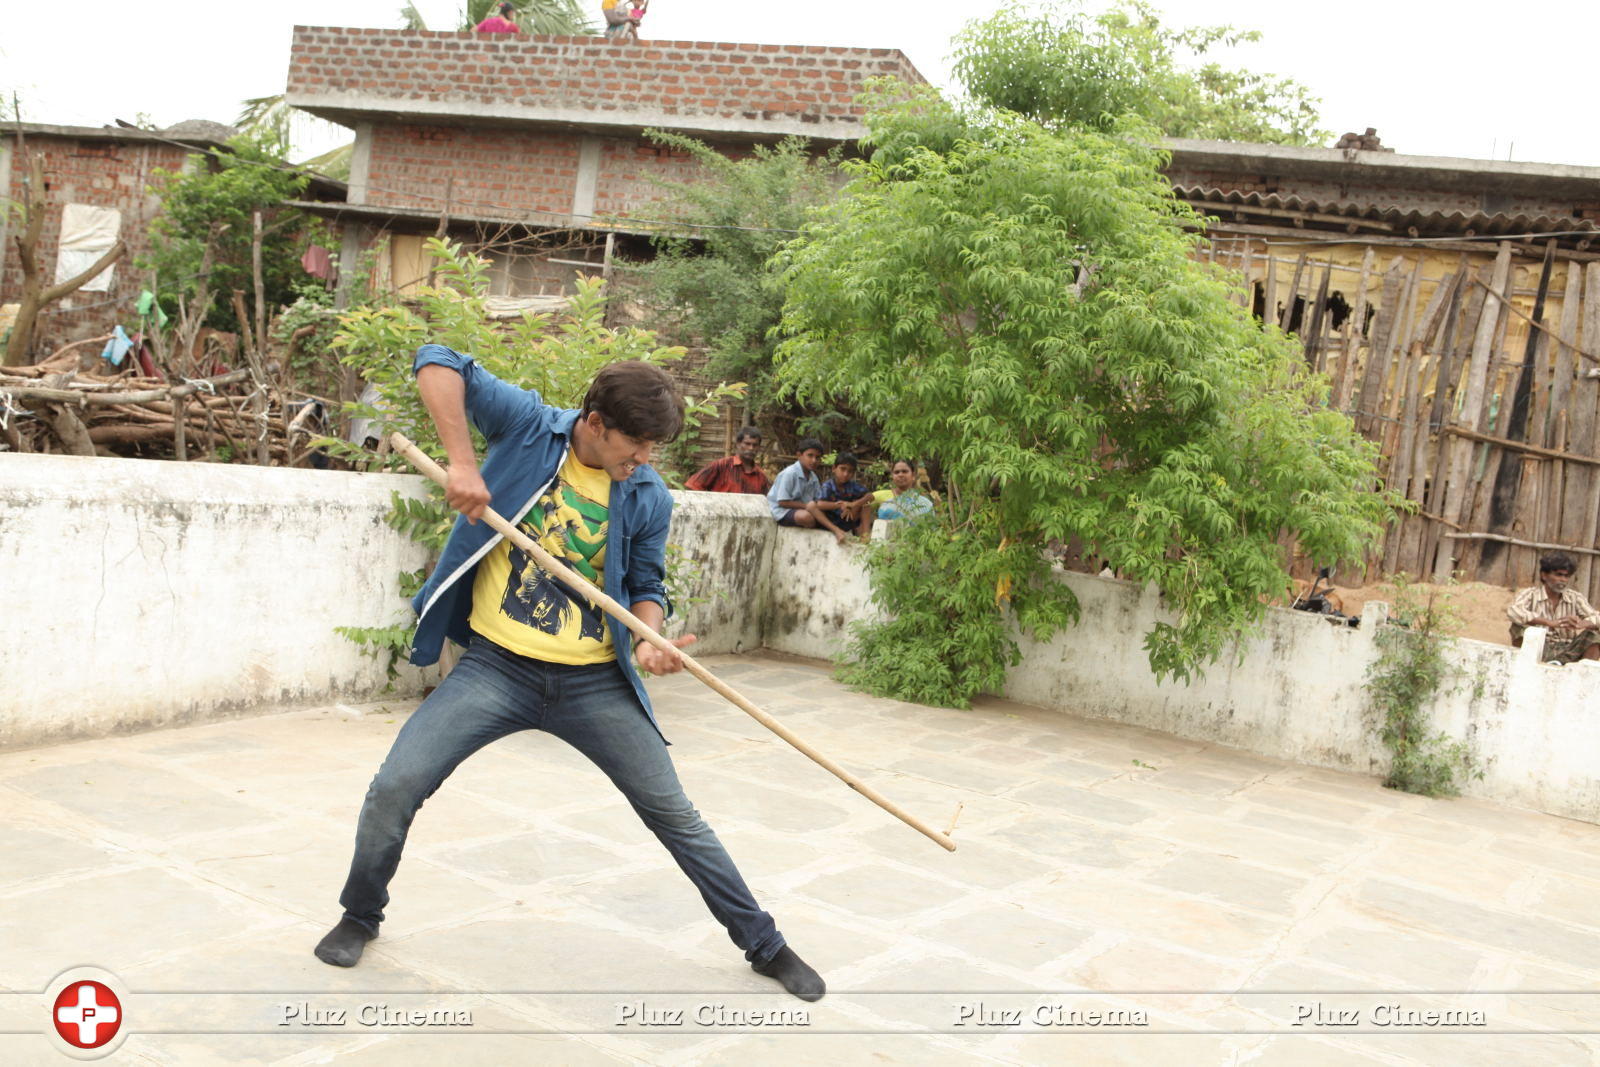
(1023, 307)
(948, 636)
(1411, 668)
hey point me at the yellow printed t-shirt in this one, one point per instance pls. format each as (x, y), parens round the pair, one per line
(518, 606)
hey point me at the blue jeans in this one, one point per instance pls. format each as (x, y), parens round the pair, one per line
(493, 692)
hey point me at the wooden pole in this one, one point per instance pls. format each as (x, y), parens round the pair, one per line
(1567, 365)
(1507, 502)
(1294, 294)
(1443, 401)
(1583, 485)
(1355, 330)
(1384, 327)
(584, 588)
(1492, 416)
(1457, 500)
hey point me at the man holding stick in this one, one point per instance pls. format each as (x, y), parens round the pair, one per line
(539, 656)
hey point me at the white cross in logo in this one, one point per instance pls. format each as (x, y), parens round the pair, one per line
(87, 1015)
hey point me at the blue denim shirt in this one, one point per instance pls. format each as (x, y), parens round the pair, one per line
(528, 441)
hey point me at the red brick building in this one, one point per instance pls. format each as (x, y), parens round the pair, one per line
(104, 168)
(541, 138)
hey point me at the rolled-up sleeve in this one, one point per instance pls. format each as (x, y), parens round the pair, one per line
(493, 406)
(1520, 611)
(646, 576)
(780, 489)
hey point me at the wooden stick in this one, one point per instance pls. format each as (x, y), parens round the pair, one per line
(580, 585)
(141, 396)
(1521, 419)
(1545, 327)
(1515, 541)
(1294, 294)
(1518, 446)
(1356, 327)
(1458, 497)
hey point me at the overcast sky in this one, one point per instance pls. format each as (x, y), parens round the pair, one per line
(1458, 79)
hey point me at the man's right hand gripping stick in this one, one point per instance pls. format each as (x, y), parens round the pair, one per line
(584, 587)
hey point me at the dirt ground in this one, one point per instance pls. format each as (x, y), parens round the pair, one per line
(1481, 608)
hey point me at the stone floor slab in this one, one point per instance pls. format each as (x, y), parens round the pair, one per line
(1093, 857)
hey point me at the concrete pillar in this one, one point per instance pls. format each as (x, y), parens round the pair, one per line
(5, 216)
(588, 180)
(355, 238)
(360, 164)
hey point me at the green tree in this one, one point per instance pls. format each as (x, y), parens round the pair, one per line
(710, 280)
(203, 237)
(1072, 68)
(1024, 309)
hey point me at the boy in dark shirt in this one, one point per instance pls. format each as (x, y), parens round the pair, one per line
(847, 498)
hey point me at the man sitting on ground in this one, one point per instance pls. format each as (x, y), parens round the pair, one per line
(793, 496)
(737, 473)
(846, 499)
(1573, 624)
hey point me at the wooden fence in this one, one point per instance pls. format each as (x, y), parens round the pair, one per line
(1479, 378)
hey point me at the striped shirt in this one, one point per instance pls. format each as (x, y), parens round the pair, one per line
(1534, 603)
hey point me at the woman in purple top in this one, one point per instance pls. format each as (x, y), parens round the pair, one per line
(500, 23)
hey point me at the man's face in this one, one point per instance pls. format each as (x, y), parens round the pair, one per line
(809, 460)
(1555, 582)
(842, 473)
(619, 455)
(745, 449)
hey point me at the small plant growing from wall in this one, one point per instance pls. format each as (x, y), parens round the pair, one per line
(1410, 671)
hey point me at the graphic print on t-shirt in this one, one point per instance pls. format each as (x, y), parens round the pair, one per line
(520, 607)
(572, 528)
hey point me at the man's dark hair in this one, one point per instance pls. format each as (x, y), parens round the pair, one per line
(746, 431)
(638, 399)
(845, 459)
(1556, 561)
(807, 444)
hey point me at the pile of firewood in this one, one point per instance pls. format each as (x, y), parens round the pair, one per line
(47, 409)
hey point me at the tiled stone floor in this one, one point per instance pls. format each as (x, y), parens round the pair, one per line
(1100, 866)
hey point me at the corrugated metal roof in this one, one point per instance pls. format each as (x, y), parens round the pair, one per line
(1374, 218)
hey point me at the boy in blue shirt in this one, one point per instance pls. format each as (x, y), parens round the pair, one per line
(847, 499)
(794, 493)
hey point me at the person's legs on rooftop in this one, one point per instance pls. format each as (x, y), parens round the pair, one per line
(488, 695)
(596, 712)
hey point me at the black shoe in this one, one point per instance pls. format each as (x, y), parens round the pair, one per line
(342, 946)
(795, 974)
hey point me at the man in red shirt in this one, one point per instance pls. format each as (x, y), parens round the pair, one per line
(737, 473)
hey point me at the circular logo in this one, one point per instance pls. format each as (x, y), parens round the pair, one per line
(86, 1014)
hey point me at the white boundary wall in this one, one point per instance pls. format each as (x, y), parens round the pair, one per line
(141, 594)
(1295, 694)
